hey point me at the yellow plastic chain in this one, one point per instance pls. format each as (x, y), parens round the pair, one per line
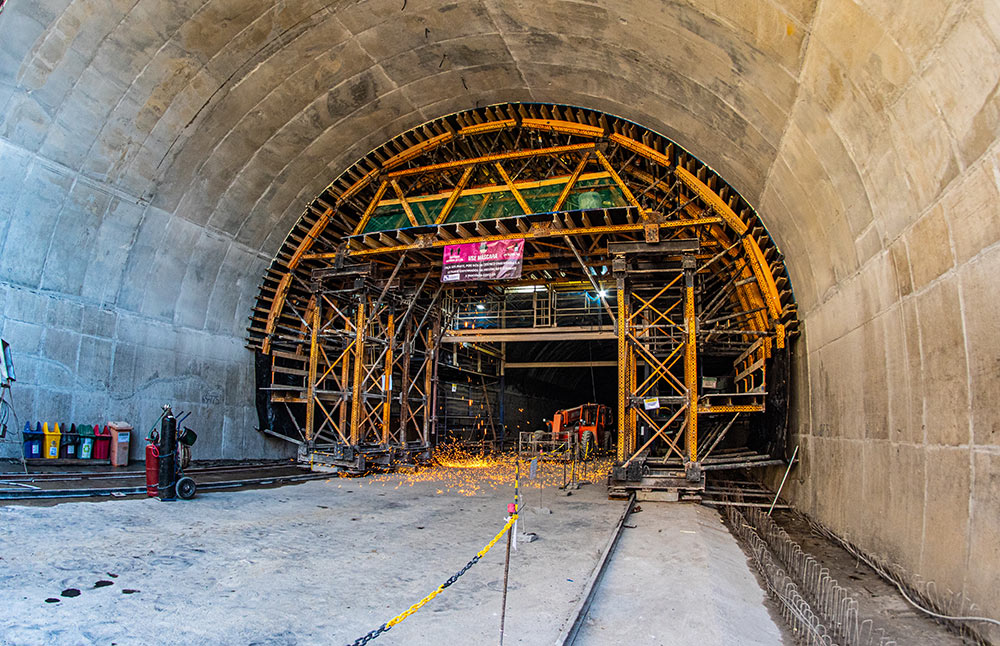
(480, 554)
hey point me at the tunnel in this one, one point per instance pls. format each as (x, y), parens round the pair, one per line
(762, 234)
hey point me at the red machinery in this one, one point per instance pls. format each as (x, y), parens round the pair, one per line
(593, 425)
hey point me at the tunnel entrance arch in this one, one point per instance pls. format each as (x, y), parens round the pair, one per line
(628, 240)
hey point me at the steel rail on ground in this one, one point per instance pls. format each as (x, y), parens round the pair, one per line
(572, 630)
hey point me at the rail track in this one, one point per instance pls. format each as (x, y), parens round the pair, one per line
(90, 484)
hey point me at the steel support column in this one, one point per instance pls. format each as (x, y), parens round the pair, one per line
(633, 414)
(314, 321)
(431, 382)
(345, 376)
(387, 380)
(404, 382)
(623, 368)
(357, 392)
(691, 358)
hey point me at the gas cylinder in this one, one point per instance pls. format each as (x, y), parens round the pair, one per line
(152, 469)
(167, 457)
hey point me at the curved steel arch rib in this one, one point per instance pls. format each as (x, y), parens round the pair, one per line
(442, 155)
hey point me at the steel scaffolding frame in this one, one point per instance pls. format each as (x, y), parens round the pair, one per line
(663, 328)
(601, 204)
(366, 357)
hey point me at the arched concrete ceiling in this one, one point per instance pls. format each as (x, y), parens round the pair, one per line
(154, 155)
(228, 116)
(232, 114)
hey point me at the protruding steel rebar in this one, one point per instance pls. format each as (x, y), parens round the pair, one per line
(818, 609)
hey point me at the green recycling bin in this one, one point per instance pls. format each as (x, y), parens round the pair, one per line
(86, 432)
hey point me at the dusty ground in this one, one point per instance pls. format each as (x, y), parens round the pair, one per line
(324, 562)
(679, 578)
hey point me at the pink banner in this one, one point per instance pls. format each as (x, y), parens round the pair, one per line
(496, 260)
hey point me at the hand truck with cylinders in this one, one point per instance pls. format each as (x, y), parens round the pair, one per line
(168, 453)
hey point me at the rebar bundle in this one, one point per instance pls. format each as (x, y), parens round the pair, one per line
(818, 609)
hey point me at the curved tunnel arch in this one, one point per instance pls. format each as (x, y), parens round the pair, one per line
(482, 176)
(338, 212)
(331, 216)
(865, 131)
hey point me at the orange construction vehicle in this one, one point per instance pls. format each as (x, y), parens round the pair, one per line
(593, 425)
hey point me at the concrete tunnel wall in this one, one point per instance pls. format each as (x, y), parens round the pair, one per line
(154, 154)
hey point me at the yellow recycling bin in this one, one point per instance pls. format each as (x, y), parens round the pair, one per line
(51, 446)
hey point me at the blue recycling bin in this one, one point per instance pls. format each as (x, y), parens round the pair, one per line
(32, 441)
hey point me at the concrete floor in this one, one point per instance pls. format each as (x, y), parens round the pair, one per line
(324, 562)
(677, 578)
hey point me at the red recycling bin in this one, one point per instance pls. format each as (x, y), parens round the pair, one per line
(102, 443)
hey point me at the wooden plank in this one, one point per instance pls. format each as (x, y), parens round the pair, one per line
(516, 335)
(406, 205)
(675, 246)
(746, 353)
(560, 364)
(756, 365)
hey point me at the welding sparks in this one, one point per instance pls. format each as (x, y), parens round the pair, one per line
(467, 472)
(456, 457)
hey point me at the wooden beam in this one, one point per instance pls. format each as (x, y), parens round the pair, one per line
(371, 208)
(758, 264)
(406, 205)
(455, 194)
(276, 306)
(563, 127)
(513, 189)
(489, 126)
(641, 149)
(572, 182)
(498, 188)
(417, 150)
(485, 159)
(560, 364)
(526, 233)
(618, 180)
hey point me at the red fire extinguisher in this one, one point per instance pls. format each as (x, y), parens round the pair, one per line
(152, 469)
